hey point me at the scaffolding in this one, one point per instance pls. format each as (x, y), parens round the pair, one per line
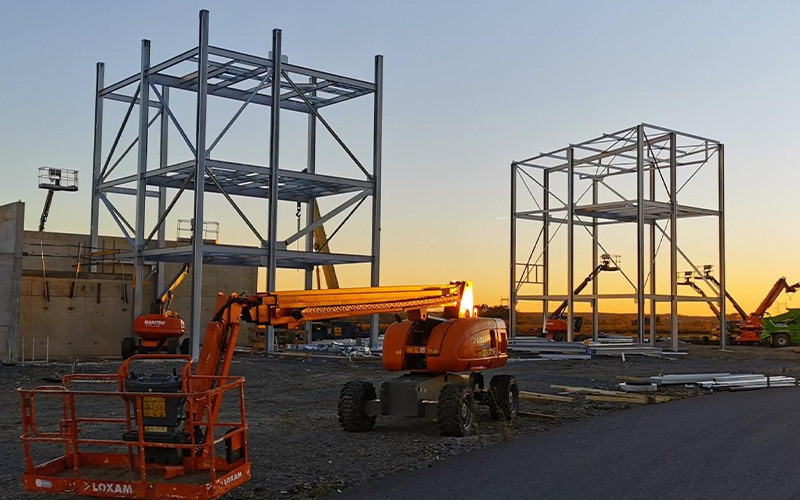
(252, 81)
(660, 162)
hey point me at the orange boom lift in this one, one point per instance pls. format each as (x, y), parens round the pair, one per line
(751, 327)
(161, 435)
(162, 329)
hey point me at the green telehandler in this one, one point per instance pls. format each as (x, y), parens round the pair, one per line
(782, 330)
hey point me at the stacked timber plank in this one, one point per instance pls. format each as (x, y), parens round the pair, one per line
(605, 396)
(569, 393)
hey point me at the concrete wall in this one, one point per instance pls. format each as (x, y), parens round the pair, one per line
(12, 219)
(90, 315)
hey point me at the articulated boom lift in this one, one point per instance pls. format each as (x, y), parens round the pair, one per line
(752, 326)
(169, 424)
(688, 281)
(751, 329)
(556, 326)
(162, 328)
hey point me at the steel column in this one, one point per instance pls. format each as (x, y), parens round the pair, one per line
(199, 186)
(673, 243)
(377, 148)
(141, 182)
(546, 248)
(97, 163)
(570, 244)
(595, 260)
(162, 191)
(274, 155)
(640, 260)
(653, 312)
(723, 330)
(311, 168)
(512, 292)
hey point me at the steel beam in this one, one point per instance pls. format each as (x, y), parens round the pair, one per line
(293, 68)
(722, 271)
(274, 158)
(640, 260)
(653, 312)
(570, 244)
(377, 149)
(512, 288)
(595, 260)
(546, 247)
(153, 70)
(162, 191)
(199, 186)
(97, 160)
(311, 168)
(673, 243)
(141, 185)
(322, 220)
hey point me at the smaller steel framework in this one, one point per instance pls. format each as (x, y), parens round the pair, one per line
(657, 163)
(252, 81)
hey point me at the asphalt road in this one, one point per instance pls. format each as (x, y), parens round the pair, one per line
(742, 445)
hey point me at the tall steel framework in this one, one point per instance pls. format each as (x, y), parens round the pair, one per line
(251, 80)
(632, 176)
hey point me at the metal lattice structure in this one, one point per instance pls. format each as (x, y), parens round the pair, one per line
(252, 81)
(660, 163)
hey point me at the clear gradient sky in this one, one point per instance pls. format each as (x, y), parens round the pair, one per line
(469, 87)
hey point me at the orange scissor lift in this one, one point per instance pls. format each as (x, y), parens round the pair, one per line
(184, 434)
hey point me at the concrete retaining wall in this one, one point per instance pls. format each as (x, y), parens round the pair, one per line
(93, 319)
(12, 217)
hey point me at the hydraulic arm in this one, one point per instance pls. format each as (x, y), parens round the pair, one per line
(164, 299)
(710, 277)
(605, 265)
(691, 284)
(752, 325)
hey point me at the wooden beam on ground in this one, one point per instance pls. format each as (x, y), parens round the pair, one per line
(544, 398)
(641, 399)
(535, 414)
(587, 390)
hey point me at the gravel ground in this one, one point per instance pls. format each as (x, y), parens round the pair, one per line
(298, 450)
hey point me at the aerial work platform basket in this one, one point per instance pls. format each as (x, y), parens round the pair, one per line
(130, 441)
(58, 179)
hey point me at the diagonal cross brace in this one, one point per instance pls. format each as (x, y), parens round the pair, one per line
(333, 213)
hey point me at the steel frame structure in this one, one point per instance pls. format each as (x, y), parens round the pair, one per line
(652, 156)
(250, 80)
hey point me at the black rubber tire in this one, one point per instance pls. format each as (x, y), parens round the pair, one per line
(456, 411)
(352, 399)
(172, 346)
(781, 340)
(560, 337)
(128, 347)
(186, 346)
(503, 397)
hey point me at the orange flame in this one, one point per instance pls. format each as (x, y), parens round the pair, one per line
(467, 301)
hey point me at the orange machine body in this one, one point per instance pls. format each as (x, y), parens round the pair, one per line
(454, 345)
(750, 330)
(155, 327)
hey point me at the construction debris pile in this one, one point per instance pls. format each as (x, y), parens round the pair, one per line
(612, 345)
(347, 348)
(726, 381)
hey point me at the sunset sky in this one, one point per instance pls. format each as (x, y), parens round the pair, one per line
(469, 86)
